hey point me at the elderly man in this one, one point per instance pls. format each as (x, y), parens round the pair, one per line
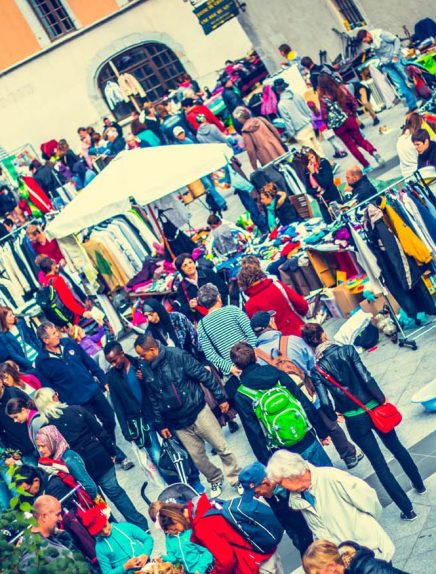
(336, 505)
(360, 184)
(254, 480)
(173, 386)
(387, 47)
(221, 328)
(261, 139)
(116, 141)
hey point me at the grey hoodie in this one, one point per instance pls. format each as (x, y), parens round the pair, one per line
(208, 133)
(295, 112)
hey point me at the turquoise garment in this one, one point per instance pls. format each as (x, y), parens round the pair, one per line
(193, 557)
(271, 216)
(125, 542)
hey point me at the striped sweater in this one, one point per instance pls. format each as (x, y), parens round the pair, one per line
(220, 330)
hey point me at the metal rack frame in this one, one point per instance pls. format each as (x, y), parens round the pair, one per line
(404, 340)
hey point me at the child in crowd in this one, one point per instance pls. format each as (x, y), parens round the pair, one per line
(91, 344)
(119, 547)
(319, 127)
(194, 558)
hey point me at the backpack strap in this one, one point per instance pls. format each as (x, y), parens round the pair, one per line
(250, 393)
(264, 356)
(283, 345)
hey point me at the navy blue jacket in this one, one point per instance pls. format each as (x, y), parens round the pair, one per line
(71, 375)
(11, 350)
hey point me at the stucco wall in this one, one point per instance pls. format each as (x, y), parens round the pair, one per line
(50, 96)
(307, 24)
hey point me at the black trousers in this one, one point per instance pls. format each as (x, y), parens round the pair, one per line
(363, 433)
(99, 406)
(345, 448)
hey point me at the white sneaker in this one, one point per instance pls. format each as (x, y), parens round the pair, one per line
(216, 489)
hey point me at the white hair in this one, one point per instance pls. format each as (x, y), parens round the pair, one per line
(46, 405)
(285, 464)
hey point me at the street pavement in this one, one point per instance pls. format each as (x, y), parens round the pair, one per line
(399, 371)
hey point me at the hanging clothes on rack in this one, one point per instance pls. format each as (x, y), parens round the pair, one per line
(410, 242)
(400, 271)
(418, 222)
(130, 86)
(367, 260)
(113, 94)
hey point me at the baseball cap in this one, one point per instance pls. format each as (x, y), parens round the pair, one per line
(280, 83)
(260, 320)
(252, 475)
(178, 130)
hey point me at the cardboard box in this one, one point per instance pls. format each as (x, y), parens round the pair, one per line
(345, 300)
(376, 306)
(332, 307)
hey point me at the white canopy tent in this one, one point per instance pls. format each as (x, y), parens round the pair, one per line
(145, 174)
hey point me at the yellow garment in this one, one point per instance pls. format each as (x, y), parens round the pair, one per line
(115, 276)
(410, 242)
(425, 126)
(292, 55)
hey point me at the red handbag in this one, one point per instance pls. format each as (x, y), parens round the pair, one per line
(385, 417)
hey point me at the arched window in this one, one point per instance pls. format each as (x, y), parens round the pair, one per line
(155, 66)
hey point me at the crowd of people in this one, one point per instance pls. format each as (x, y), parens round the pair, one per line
(204, 362)
(264, 362)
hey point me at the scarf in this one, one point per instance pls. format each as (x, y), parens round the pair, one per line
(53, 440)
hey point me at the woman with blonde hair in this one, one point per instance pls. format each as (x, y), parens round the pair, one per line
(87, 438)
(324, 557)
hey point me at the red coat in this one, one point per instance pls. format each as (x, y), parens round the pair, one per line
(232, 553)
(266, 296)
(191, 116)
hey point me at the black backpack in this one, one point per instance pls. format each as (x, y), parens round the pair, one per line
(53, 308)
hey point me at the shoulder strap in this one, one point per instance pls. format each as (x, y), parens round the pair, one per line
(285, 295)
(250, 393)
(264, 356)
(343, 389)
(283, 346)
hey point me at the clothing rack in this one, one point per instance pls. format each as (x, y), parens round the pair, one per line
(18, 229)
(404, 340)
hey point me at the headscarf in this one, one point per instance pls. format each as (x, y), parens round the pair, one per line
(164, 329)
(53, 440)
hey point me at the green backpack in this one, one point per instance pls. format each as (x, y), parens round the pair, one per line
(282, 417)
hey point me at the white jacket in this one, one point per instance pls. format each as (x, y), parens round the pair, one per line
(346, 508)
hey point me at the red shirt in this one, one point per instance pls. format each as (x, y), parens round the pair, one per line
(49, 249)
(65, 295)
(191, 116)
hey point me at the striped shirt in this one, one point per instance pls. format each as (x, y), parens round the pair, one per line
(220, 330)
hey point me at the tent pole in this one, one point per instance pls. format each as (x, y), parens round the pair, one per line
(164, 239)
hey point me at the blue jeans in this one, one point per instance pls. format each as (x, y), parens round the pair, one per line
(77, 468)
(396, 73)
(316, 455)
(118, 496)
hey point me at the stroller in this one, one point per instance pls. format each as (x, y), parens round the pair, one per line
(176, 463)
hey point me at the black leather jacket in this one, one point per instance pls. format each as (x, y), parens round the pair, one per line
(173, 385)
(364, 562)
(345, 366)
